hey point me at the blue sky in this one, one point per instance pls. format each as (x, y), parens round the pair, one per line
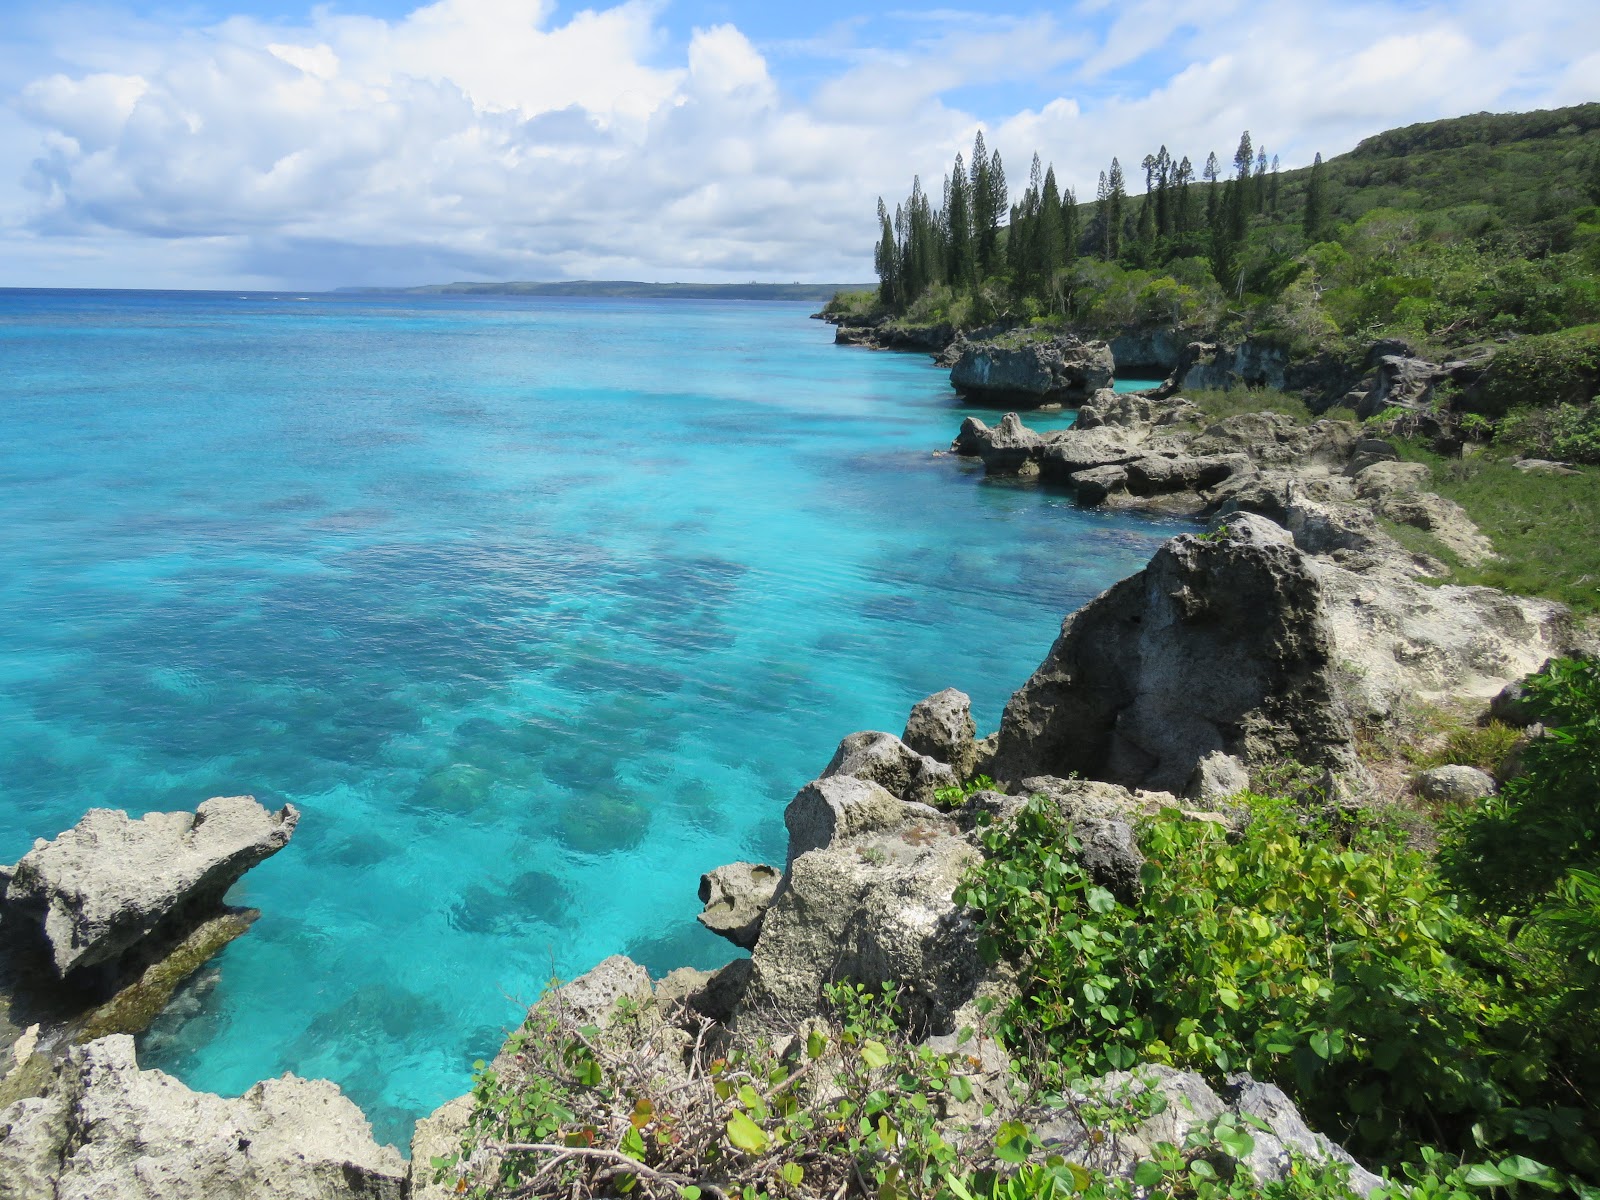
(276, 143)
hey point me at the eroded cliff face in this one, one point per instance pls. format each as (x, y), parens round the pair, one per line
(1032, 372)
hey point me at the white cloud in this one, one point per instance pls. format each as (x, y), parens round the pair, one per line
(487, 138)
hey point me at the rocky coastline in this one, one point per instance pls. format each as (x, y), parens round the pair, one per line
(1276, 634)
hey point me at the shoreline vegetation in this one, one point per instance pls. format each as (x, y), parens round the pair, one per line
(1281, 870)
(620, 289)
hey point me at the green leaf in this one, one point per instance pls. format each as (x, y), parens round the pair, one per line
(1484, 1175)
(792, 1174)
(1201, 1169)
(632, 1144)
(815, 1044)
(1321, 1045)
(1147, 1174)
(1100, 900)
(1524, 1169)
(874, 1054)
(746, 1135)
(688, 1192)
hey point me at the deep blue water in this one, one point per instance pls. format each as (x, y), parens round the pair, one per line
(536, 608)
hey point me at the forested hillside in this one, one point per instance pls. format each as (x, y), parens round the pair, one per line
(1482, 225)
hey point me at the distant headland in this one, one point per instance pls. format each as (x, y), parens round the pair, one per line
(629, 289)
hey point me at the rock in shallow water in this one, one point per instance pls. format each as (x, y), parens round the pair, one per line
(109, 882)
(105, 1128)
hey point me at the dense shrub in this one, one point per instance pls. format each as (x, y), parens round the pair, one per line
(1570, 432)
(1556, 368)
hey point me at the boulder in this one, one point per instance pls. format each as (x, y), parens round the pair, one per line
(111, 881)
(1156, 475)
(1094, 487)
(1220, 644)
(1218, 776)
(1510, 705)
(1133, 410)
(714, 995)
(1274, 439)
(1069, 454)
(1031, 371)
(1369, 450)
(835, 807)
(1010, 448)
(1454, 785)
(884, 759)
(736, 897)
(941, 728)
(600, 993)
(103, 1127)
(1213, 366)
(437, 1135)
(1280, 1135)
(872, 907)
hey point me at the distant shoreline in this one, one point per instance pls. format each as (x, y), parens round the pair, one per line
(624, 289)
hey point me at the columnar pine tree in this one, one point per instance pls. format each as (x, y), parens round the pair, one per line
(886, 261)
(1071, 231)
(1183, 210)
(986, 214)
(960, 268)
(1049, 244)
(1273, 194)
(1316, 214)
(1259, 184)
(1116, 210)
(1211, 174)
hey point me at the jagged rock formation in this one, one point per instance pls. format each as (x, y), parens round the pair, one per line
(1218, 645)
(103, 1127)
(941, 728)
(736, 897)
(883, 759)
(1030, 371)
(108, 883)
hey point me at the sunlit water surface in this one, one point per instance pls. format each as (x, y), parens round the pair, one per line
(536, 609)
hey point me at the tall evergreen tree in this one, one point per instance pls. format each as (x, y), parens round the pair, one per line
(1071, 232)
(986, 214)
(1116, 210)
(1183, 209)
(1316, 214)
(1259, 183)
(1210, 175)
(1049, 244)
(999, 195)
(960, 268)
(1272, 190)
(886, 260)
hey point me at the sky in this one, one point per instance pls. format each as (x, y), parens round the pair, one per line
(283, 144)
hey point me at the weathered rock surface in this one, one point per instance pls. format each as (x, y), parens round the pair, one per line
(885, 760)
(1127, 410)
(1073, 452)
(1191, 1104)
(736, 897)
(1217, 645)
(1010, 448)
(870, 907)
(1033, 371)
(1455, 785)
(1209, 365)
(103, 886)
(438, 1135)
(1218, 776)
(1395, 490)
(941, 727)
(105, 1128)
(833, 808)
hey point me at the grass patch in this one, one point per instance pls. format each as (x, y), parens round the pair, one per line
(1217, 404)
(1546, 528)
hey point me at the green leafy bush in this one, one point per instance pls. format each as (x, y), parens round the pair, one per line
(1570, 432)
(1544, 370)
(1346, 972)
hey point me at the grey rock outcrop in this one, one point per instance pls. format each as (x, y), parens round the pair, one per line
(1455, 785)
(111, 881)
(1218, 644)
(1030, 371)
(1066, 456)
(437, 1135)
(736, 897)
(1279, 1133)
(1010, 448)
(1218, 776)
(103, 1127)
(870, 905)
(885, 760)
(833, 808)
(1127, 410)
(941, 727)
(1209, 365)
(1395, 490)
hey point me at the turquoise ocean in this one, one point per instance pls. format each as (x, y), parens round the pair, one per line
(537, 609)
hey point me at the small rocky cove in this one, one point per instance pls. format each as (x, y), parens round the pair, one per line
(1288, 624)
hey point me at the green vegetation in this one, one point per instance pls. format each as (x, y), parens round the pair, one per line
(1216, 404)
(1436, 1014)
(1441, 233)
(1405, 1006)
(1542, 525)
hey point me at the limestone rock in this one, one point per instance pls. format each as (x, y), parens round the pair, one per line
(437, 1135)
(1010, 448)
(1098, 484)
(1218, 776)
(1133, 410)
(1156, 475)
(1218, 644)
(835, 807)
(596, 996)
(1510, 705)
(1074, 451)
(1032, 371)
(870, 908)
(736, 897)
(1191, 1104)
(106, 1128)
(1455, 785)
(109, 882)
(884, 759)
(941, 727)
(711, 994)
(1209, 365)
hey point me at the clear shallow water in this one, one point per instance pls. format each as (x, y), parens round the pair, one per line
(537, 609)
(1134, 385)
